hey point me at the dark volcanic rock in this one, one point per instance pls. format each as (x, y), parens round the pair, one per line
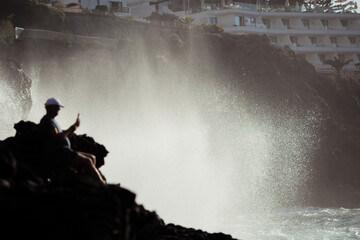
(40, 202)
(85, 143)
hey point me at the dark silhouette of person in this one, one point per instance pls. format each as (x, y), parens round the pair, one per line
(58, 144)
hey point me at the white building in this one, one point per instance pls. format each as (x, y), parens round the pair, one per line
(135, 8)
(315, 36)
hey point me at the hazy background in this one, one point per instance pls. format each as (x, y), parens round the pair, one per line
(193, 147)
(198, 157)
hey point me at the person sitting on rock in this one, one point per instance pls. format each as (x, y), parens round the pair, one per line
(58, 144)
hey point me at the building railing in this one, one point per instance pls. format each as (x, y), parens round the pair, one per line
(261, 8)
(252, 7)
(296, 29)
(325, 48)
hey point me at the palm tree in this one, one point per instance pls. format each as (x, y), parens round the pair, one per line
(337, 63)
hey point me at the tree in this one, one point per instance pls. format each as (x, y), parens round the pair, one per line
(328, 6)
(318, 5)
(345, 6)
(165, 17)
(187, 20)
(337, 63)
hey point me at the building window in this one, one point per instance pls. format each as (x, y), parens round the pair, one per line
(239, 21)
(306, 23)
(313, 40)
(213, 20)
(266, 23)
(294, 41)
(333, 41)
(325, 23)
(322, 57)
(358, 56)
(344, 23)
(115, 5)
(352, 40)
(253, 21)
(250, 21)
(286, 22)
(273, 39)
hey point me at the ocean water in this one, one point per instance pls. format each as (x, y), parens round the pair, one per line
(298, 224)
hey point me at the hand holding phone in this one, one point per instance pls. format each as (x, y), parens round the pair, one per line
(77, 123)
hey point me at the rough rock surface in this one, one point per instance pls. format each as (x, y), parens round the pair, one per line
(40, 202)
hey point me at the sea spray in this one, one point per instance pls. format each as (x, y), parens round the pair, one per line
(189, 139)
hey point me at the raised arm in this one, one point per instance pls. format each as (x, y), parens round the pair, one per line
(55, 134)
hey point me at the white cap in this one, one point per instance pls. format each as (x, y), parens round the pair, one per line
(53, 101)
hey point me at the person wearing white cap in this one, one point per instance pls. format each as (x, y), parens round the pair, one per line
(58, 144)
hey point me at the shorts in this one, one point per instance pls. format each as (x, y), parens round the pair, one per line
(64, 155)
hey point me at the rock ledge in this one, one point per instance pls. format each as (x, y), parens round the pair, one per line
(40, 202)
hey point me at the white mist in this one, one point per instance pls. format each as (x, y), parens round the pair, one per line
(196, 167)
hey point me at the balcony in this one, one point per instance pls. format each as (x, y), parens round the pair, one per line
(324, 49)
(259, 29)
(281, 30)
(259, 8)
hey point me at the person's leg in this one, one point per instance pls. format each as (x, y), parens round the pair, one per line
(83, 162)
(88, 155)
(93, 159)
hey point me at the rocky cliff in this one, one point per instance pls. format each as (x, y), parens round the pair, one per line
(43, 202)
